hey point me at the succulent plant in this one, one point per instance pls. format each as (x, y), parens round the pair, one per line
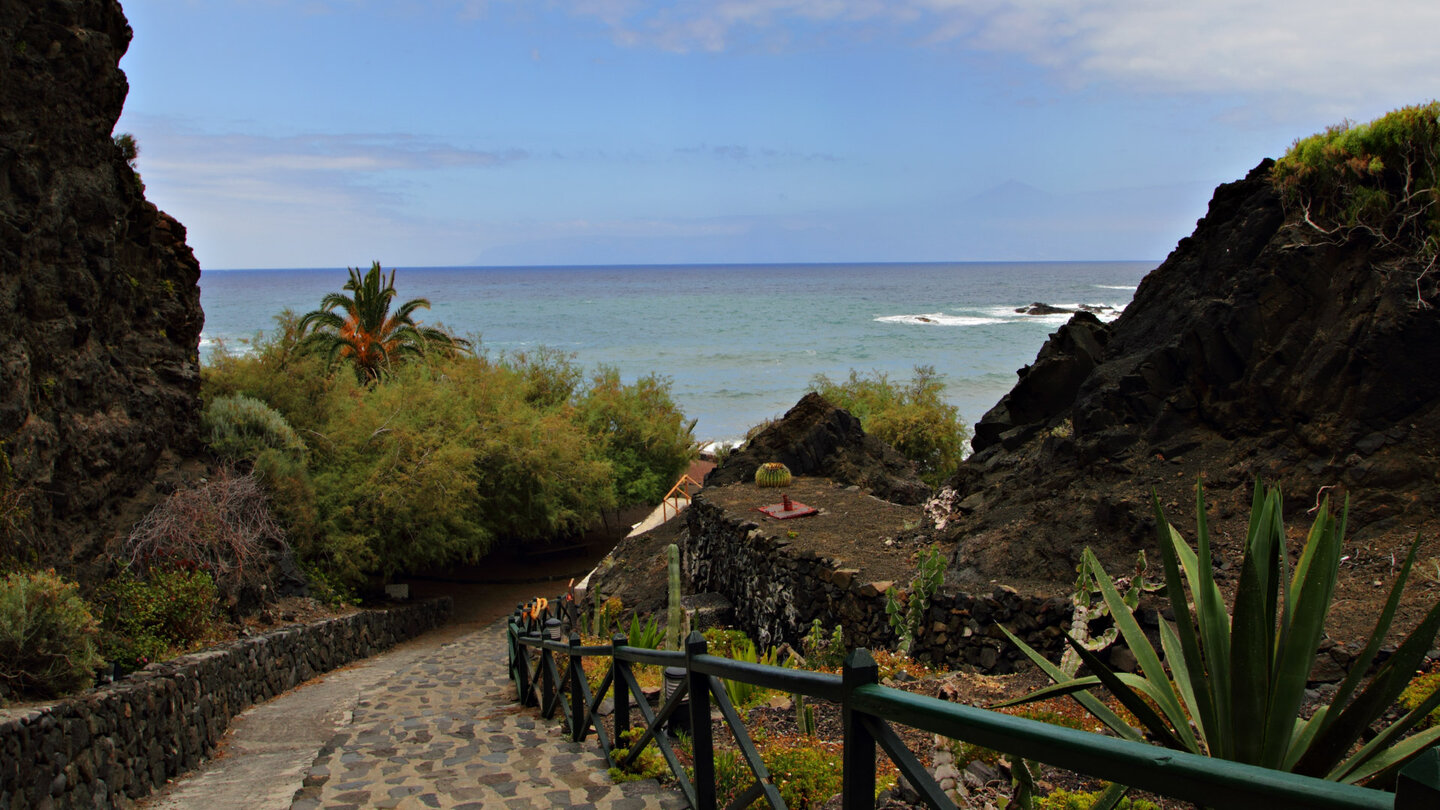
(772, 474)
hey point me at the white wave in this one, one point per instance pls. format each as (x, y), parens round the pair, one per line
(1130, 287)
(939, 319)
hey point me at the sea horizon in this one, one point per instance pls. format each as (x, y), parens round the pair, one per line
(740, 342)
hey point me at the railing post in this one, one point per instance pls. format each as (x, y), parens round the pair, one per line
(858, 758)
(700, 731)
(578, 723)
(522, 669)
(622, 691)
(547, 682)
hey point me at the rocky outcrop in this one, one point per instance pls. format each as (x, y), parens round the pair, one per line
(817, 438)
(1258, 349)
(99, 305)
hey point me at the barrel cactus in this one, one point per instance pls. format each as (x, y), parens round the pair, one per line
(772, 474)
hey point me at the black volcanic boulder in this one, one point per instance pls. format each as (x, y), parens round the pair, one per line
(817, 438)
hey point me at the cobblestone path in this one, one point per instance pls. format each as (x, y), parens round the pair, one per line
(446, 732)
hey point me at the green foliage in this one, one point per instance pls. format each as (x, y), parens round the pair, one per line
(647, 636)
(806, 775)
(1419, 691)
(649, 765)
(1242, 679)
(1381, 178)
(239, 428)
(913, 418)
(907, 616)
(822, 651)
(14, 512)
(168, 612)
(47, 636)
(368, 335)
(1062, 799)
(640, 431)
(451, 454)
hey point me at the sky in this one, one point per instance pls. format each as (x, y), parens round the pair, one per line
(322, 133)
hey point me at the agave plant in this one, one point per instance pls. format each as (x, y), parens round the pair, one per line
(1233, 687)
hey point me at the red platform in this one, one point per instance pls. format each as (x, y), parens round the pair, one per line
(787, 509)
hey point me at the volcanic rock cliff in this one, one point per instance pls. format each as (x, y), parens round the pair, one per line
(1258, 349)
(99, 309)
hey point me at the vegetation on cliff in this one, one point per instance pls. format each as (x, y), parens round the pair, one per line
(912, 417)
(1381, 178)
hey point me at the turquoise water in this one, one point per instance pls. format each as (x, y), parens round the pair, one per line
(740, 343)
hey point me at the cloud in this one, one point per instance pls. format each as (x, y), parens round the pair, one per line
(1333, 50)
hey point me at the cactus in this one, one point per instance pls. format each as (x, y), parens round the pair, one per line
(804, 716)
(772, 474)
(672, 619)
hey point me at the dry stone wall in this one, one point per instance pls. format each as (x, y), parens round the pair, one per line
(778, 592)
(118, 742)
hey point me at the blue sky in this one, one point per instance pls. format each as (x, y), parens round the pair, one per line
(320, 133)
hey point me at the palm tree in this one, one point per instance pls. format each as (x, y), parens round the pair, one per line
(367, 333)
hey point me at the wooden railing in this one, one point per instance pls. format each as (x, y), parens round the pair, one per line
(677, 492)
(868, 710)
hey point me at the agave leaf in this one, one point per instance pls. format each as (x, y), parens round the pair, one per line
(1177, 556)
(1252, 626)
(1374, 759)
(1091, 703)
(1214, 624)
(1170, 643)
(1361, 664)
(1313, 587)
(1130, 698)
(1391, 679)
(1110, 798)
(1304, 735)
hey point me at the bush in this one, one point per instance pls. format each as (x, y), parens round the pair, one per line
(222, 527)
(643, 435)
(1419, 691)
(170, 611)
(1380, 178)
(240, 428)
(914, 419)
(47, 636)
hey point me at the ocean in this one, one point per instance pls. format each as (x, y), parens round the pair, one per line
(740, 343)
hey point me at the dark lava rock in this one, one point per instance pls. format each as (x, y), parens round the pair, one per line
(99, 304)
(817, 438)
(1258, 349)
(1038, 308)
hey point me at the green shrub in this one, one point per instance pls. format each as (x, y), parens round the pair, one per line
(650, 764)
(1380, 178)
(168, 612)
(1419, 691)
(914, 418)
(822, 651)
(641, 432)
(1077, 800)
(47, 636)
(907, 617)
(239, 428)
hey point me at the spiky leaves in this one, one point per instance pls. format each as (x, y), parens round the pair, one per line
(1241, 678)
(360, 328)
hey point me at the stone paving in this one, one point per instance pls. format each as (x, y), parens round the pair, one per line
(446, 732)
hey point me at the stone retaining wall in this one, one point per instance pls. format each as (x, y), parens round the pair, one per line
(118, 742)
(777, 593)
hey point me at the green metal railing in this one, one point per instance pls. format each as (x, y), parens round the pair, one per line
(868, 710)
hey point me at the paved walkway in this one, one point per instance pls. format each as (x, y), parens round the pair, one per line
(424, 726)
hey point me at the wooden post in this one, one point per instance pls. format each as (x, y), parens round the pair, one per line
(522, 670)
(622, 692)
(578, 722)
(700, 732)
(1419, 783)
(858, 759)
(547, 683)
